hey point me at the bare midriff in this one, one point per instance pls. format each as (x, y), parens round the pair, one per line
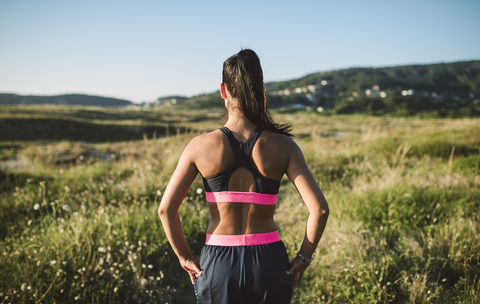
(241, 218)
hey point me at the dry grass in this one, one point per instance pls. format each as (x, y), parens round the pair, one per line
(403, 228)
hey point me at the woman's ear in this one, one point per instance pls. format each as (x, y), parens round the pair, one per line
(223, 91)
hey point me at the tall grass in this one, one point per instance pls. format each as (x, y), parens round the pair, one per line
(404, 227)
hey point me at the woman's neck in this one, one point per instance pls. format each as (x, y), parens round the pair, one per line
(239, 124)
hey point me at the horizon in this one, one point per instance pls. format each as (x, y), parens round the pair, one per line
(211, 92)
(144, 51)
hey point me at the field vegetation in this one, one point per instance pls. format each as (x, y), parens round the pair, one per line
(79, 223)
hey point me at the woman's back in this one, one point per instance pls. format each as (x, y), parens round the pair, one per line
(268, 157)
(244, 259)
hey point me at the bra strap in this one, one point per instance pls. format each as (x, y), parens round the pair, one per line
(237, 146)
(248, 145)
(237, 151)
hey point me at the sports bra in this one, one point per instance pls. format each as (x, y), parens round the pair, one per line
(216, 186)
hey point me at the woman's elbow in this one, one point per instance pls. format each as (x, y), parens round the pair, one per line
(325, 212)
(167, 208)
(163, 211)
(322, 211)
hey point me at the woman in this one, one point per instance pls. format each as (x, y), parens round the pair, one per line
(243, 260)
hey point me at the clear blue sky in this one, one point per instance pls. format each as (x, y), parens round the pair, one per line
(142, 50)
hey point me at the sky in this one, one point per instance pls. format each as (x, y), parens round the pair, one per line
(142, 50)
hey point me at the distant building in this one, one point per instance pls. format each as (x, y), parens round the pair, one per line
(374, 91)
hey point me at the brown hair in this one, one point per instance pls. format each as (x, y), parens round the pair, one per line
(243, 77)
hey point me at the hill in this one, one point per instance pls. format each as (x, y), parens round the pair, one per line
(68, 99)
(443, 89)
(438, 90)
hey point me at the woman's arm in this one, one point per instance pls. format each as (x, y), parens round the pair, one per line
(307, 187)
(175, 192)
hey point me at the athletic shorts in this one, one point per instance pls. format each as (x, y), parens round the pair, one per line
(244, 274)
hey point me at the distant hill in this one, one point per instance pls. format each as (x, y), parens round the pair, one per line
(443, 89)
(455, 76)
(171, 99)
(68, 99)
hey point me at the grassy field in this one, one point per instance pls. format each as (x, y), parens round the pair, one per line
(78, 219)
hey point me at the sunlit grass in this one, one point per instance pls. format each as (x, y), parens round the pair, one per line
(404, 196)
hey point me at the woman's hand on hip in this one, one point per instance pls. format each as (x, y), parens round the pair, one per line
(192, 266)
(296, 269)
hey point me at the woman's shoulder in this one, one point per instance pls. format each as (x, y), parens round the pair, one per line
(276, 147)
(207, 137)
(206, 141)
(275, 139)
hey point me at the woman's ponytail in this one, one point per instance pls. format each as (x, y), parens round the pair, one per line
(243, 77)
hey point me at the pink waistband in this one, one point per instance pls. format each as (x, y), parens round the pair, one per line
(241, 197)
(242, 239)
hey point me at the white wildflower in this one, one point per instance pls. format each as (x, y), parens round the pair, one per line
(36, 206)
(102, 249)
(199, 190)
(159, 193)
(53, 262)
(66, 207)
(67, 188)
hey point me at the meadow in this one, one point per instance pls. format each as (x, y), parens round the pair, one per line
(79, 222)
